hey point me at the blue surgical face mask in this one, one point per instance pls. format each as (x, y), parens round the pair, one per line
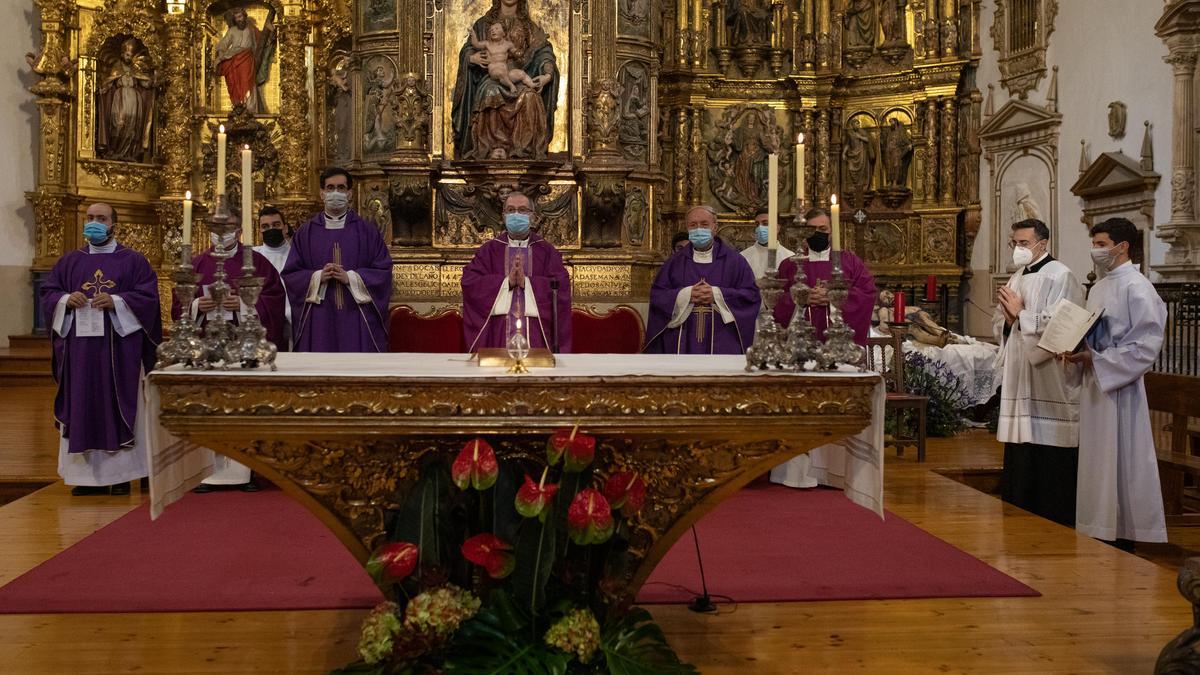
(700, 237)
(96, 233)
(762, 234)
(516, 223)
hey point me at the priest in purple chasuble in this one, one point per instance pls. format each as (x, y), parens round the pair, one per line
(102, 303)
(819, 270)
(271, 300)
(338, 276)
(513, 276)
(704, 299)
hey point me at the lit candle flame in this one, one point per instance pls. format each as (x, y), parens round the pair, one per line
(220, 129)
(800, 139)
(833, 199)
(187, 195)
(518, 324)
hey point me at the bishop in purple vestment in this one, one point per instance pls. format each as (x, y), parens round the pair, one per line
(514, 276)
(338, 277)
(102, 301)
(704, 299)
(819, 270)
(270, 301)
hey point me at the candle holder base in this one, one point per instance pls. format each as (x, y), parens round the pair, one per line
(768, 350)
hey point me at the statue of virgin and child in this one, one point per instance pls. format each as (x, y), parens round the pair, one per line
(507, 87)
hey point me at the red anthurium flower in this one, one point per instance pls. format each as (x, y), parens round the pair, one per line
(532, 497)
(475, 466)
(626, 491)
(491, 553)
(576, 449)
(589, 518)
(393, 562)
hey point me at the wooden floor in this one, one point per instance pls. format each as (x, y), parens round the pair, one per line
(1101, 610)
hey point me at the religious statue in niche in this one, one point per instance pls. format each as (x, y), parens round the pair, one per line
(633, 16)
(897, 153)
(749, 22)
(1024, 205)
(379, 120)
(125, 110)
(634, 124)
(737, 157)
(891, 15)
(243, 57)
(859, 156)
(635, 216)
(412, 112)
(860, 28)
(379, 15)
(506, 93)
(340, 99)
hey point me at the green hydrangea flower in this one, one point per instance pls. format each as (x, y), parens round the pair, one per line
(576, 633)
(378, 631)
(440, 611)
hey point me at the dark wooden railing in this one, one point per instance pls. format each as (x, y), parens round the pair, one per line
(1180, 354)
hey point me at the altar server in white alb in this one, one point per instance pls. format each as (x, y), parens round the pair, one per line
(1039, 397)
(1119, 494)
(756, 253)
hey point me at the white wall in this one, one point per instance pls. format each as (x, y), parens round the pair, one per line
(18, 127)
(1105, 51)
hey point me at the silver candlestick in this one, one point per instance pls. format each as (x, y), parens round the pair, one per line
(768, 350)
(220, 337)
(801, 345)
(184, 345)
(840, 347)
(253, 347)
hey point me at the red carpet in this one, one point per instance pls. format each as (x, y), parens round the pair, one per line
(230, 551)
(773, 544)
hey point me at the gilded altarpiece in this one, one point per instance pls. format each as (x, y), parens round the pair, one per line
(615, 117)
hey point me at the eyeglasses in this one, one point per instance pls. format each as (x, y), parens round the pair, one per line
(1024, 243)
(523, 210)
(337, 188)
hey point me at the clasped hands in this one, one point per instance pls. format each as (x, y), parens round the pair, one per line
(336, 272)
(819, 295)
(207, 304)
(99, 301)
(702, 294)
(1010, 303)
(516, 276)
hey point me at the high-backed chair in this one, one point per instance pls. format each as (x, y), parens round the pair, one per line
(619, 331)
(439, 332)
(885, 355)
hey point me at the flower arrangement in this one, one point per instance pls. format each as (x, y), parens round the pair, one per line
(946, 392)
(507, 565)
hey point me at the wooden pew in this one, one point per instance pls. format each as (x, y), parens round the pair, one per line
(1172, 400)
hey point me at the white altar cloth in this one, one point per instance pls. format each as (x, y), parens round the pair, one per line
(177, 466)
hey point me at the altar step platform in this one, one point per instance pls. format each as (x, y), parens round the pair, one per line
(26, 362)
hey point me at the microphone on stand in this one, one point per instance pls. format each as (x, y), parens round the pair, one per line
(554, 315)
(701, 603)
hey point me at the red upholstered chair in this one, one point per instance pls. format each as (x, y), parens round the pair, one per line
(440, 332)
(620, 331)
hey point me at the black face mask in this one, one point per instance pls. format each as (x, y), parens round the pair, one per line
(818, 241)
(273, 237)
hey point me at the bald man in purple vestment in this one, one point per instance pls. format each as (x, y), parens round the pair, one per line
(517, 275)
(819, 270)
(338, 276)
(102, 301)
(704, 299)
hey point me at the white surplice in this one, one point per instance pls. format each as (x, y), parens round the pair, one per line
(1119, 496)
(1039, 403)
(756, 255)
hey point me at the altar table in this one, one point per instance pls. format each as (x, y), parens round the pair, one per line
(344, 434)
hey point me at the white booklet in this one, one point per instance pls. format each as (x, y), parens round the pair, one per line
(1069, 324)
(89, 321)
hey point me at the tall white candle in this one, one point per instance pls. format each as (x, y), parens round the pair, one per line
(800, 168)
(187, 217)
(772, 201)
(835, 213)
(247, 196)
(221, 160)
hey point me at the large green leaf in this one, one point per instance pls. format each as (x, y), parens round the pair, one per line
(489, 645)
(424, 515)
(535, 561)
(505, 519)
(635, 645)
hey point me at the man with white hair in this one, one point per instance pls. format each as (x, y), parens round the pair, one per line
(704, 299)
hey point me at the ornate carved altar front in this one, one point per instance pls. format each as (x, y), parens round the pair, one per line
(616, 116)
(350, 446)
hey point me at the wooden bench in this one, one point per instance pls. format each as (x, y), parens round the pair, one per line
(1173, 399)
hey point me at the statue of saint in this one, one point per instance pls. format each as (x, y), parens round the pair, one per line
(897, 153)
(244, 55)
(750, 169)
(126, 106)
(491, 119)
(861, 25)
(340, 98)
(749, 22)
(379, 126)
(858, 151)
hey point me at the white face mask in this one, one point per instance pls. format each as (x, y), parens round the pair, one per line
(1022, 256)
(225, 241)
(1103, 258)
(335, 202)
